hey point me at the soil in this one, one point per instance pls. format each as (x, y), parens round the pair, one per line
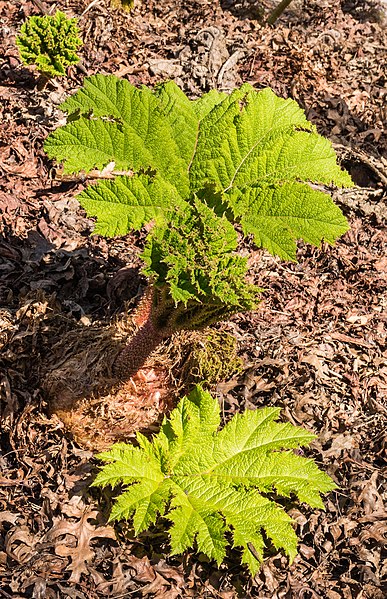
(316, 347)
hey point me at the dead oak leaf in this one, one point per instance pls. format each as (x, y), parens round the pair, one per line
(377, 532)
(162, 580)
(369, 496)
(20, 544)
(78, 547)
(340, 443)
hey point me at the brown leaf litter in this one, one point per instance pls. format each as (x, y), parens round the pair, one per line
(315, 348)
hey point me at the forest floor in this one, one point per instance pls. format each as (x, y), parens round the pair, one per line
(315, 348)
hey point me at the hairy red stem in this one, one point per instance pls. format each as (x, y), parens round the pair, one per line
(136, 352)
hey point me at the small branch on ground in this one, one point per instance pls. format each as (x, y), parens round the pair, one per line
(277, 12)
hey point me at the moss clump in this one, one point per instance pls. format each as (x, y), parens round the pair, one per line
(125, 4)
(209, 356)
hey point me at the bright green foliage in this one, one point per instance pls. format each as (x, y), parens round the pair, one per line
(250, 155)
(208, 482)
(191, 254)
(49, 42)
(195, 170)
(209, 357)
(197, 277)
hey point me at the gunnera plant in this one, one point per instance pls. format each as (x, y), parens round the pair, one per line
(50, 42)
(203, 172)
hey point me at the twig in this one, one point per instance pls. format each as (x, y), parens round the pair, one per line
(277, 12)
(230, 62)
(93, 3)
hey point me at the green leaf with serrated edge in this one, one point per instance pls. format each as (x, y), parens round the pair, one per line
(185, 116)
(180, 114)
(203, 106)
(279, 215)
(144, 502)
(107, 96)
(194, 421)
(94, 144)
(252, 137)
(242, 153)
(129, 203)
(125, 463)
(193, 520)
(208, 482)
(126, 127)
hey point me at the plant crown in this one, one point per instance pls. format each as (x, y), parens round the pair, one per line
(208, 481)
(49, 42)
(196, 169)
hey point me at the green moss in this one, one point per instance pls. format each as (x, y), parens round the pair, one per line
(210, 357)
(125, 4)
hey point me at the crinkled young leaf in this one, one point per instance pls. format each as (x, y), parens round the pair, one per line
(208, 482)
(50, 42)
(191, 254)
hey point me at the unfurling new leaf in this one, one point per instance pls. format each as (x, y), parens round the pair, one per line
(208, 481)
(49, 42)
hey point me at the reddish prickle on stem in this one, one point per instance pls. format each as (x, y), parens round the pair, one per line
(136, 352)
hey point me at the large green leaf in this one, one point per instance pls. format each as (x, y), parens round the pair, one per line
(208, 482)
(257, 153)
(127, 203)
(255, 138)
(113, 121)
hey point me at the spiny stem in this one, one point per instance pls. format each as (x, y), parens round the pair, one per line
(143, 310)
(136, 352)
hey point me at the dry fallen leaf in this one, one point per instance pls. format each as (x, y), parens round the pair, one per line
(77, 547)
(317, 362)
(157, 576)
(376, 532)
(339, 444)
(19, 544)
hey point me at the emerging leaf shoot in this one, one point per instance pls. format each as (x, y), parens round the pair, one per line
(193, 257)
(208, 482)
(49, 42)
